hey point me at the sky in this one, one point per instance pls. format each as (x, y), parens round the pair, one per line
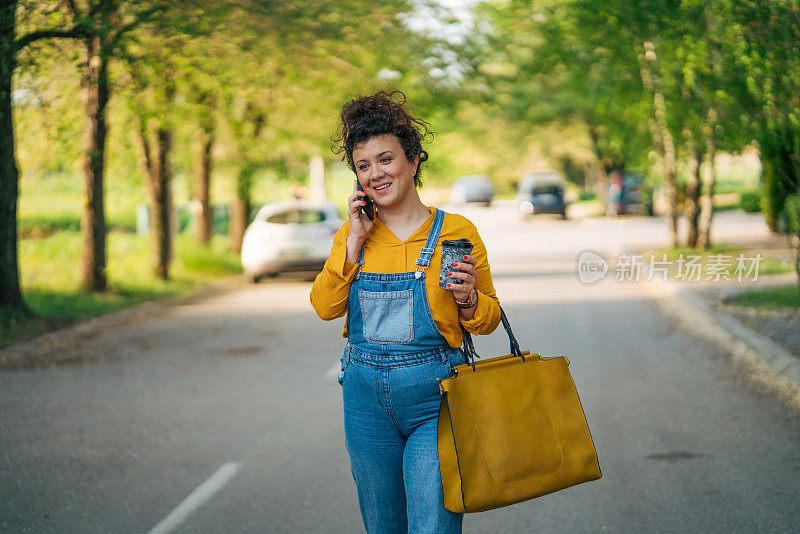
(428, 18)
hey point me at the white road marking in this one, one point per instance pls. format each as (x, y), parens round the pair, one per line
(197, 498)
(333, 372)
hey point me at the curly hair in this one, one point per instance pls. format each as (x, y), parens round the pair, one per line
(366, 116)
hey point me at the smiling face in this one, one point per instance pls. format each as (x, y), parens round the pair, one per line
(384, 172)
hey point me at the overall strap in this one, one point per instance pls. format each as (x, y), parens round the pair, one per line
(360, 260)
(433, 236)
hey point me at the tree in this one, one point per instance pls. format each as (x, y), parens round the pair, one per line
(207, 124)
(563, 62)
(204, 65)
(640, 37)
(39, 25)
(709, 111)
(165, 65)
(107, 23)
(765, 36)
(616, 65)
(154, 79)
(247, 124)
(763, 68)
(294, 67)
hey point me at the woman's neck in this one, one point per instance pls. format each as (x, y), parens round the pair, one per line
(405, 219)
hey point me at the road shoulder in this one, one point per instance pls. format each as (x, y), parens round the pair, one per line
(700, 313)
(50, 349)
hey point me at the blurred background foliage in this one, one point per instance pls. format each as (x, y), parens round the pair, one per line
(521, 84)
(588, 87)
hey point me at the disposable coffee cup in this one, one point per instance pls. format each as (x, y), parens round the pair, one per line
(453, 252)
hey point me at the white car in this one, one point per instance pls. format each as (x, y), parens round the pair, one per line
(289, 236)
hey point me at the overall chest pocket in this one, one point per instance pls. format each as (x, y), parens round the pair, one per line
(387, 316)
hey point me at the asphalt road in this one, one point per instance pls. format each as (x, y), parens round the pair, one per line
(224, 414)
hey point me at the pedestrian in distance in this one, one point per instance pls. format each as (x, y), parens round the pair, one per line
(403, 330)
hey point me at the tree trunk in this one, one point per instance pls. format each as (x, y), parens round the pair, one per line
(662, 137)
(10, 293)
(666, 151)
(707, 202)
(238, 222)
(241, 205)
(93, 224)
(162, 206)
(203, 214)
(240, 214)
(693, 189)
(600, 171)
(797, 257)
(159, 177)
(668, 158)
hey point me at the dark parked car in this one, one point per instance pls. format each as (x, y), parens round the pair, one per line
(472, 188)
(542, 192)
(636, 197)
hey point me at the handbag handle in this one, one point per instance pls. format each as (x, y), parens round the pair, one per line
(469, 348)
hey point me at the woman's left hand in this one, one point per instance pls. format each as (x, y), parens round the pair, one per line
(461, 291)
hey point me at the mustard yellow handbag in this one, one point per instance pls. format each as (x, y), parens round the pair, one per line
(511, 428)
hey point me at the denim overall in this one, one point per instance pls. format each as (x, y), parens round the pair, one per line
(391, 398)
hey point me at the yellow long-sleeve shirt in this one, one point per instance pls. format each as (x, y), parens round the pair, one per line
(385, 253)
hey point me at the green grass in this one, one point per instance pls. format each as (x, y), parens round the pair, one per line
(50, 211)
(56, 201)
(774, 297)
(50, 277)
(212, 261)
(51, 264)
(674, 253)
(737, 176)
(750, 200)
(49, 215)
(726, 207)
(733, 184)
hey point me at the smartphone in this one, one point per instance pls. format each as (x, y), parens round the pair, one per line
(369, 207)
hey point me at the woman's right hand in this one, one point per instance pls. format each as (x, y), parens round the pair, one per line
(360, 225)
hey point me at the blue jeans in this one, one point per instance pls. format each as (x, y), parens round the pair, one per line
(391, 412)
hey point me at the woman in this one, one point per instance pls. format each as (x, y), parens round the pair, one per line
(403, 330)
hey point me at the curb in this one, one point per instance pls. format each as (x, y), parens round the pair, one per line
(698, 315)
(43, 350)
